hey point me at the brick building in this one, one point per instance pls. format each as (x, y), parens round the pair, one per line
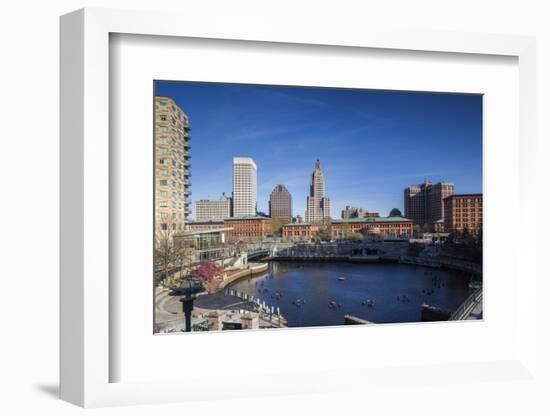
(249, 228)
(464, 212)
(383, 226)
(204, 225)
(300, 231)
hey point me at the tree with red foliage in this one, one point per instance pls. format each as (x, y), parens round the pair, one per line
(207, 271)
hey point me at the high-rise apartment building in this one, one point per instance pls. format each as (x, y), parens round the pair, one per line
(464, 212)
(172, 165)
(213, 209)
(318, 205)
(424, 202)
(280, 203)
(245, 191)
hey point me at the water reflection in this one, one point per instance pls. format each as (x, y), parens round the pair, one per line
(316, 294)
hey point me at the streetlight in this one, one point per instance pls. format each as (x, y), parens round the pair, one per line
(188, 296)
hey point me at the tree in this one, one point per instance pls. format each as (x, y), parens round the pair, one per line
(277, 226)
(325, 231)
(164, 253)
(169, 256)
(207, 272)
(346, 230)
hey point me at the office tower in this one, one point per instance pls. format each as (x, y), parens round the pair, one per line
(318, 205)
(424, 202)
(280, 203)
(245, 193)
(213, 209)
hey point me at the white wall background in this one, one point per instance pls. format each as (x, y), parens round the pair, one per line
(29, 205)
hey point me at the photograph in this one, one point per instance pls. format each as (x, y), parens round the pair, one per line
(293, 206)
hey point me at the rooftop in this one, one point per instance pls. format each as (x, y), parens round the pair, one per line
(244, 160)
(247, 217)
(212, 231)
(464, 196)
(371, 219)
(298, 224)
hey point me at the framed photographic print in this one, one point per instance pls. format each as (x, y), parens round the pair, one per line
(288, 242)
(298, 206)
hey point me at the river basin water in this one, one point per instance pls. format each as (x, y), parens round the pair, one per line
(321, 293)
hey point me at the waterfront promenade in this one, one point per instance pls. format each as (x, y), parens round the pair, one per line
(169, 316)
(366, 252)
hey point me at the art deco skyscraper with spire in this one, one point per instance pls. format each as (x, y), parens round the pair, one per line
(318, 205)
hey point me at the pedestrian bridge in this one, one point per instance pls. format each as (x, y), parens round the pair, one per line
(257, 254)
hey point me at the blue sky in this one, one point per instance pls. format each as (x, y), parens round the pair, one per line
(372, 144)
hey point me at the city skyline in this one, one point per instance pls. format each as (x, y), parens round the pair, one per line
(373, 144)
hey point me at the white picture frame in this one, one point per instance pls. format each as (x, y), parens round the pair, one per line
(86, 353)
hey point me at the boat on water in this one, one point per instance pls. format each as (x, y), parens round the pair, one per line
(341, 278)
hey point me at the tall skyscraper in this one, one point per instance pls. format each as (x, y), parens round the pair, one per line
(424, 202)
(245, 192)
(280, 203)
(213, 209)
(318, 205)
(172, 165)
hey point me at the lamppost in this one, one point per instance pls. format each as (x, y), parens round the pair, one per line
(188, 295)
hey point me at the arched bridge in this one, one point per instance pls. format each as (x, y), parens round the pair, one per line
(257, 254)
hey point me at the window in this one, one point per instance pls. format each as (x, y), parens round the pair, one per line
(163, 204)
(164, 194)
(163, 182)
(162, 161)
(163, 171)
(163, 117)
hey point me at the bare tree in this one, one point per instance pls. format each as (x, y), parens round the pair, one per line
(169, 255)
